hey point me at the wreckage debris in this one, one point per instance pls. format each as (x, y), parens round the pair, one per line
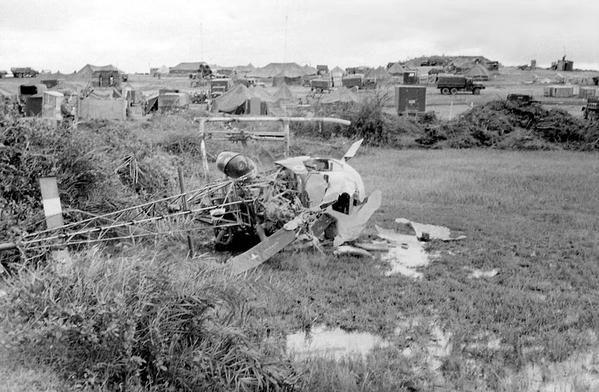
(426, 232)
(406, 252)
(351, 251)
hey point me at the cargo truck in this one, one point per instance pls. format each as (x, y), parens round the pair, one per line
(452, 84)
(24, 72)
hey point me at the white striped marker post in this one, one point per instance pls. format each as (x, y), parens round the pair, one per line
(53, 213)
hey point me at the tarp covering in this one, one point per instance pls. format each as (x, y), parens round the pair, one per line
(69, 87)
(284, 93)
(106, 109)
(341, 94)
(5, 94)
(51, 105)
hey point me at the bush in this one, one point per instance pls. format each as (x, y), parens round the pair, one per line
(140, 322)
(100, 167)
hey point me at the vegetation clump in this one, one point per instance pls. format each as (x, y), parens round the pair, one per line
(149, 322)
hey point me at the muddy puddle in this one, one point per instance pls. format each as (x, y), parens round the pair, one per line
(407, 252)
(321, 341)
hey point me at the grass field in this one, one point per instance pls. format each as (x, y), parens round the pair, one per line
(531, 216)
(534, 216)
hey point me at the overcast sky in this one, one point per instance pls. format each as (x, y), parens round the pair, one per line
(134, 35)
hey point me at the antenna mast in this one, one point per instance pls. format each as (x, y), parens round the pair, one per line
(285, 51)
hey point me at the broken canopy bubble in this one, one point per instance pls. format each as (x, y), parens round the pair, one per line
(350, 226)
(351, 251)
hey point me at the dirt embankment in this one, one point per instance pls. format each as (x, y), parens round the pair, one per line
(503, 124)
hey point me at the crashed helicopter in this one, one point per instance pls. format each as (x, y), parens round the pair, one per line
(302, 199)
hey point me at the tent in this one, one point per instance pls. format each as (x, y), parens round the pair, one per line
(291, 70)
(241, 100)
(284, 93)
(186, 68)
(342, 94)
(310, 70)
(162, 70)
(397, 69)
(478, 72)
(86, 73)
(379, 73)
(288, 77)
(260, 92)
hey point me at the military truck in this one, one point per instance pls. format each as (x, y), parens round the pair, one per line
(24, 72)
(452, 84)
(522, 99)
(220, 86)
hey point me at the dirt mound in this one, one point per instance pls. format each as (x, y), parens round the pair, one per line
(503, 124)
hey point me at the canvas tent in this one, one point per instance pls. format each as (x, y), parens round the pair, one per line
(240, 100)
(86, 73)
(478, 72)
(379, 73)
(284, 94)
(376, 76)
(397, 69)
(162, 71)
(310, 70)
(288, 77)
(271, 70)
(261, 93)
(340, 95)
(187, 68)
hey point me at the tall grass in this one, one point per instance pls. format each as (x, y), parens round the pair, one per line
(146, 322)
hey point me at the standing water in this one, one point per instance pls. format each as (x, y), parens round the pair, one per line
(320, 341)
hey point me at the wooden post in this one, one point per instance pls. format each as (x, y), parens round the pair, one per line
(287, 137)
(184, 205)
(53, 213)
(203, 147)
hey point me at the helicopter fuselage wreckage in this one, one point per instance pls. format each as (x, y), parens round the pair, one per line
(303, 198)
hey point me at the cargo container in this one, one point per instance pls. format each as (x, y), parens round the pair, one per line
(410, 99)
